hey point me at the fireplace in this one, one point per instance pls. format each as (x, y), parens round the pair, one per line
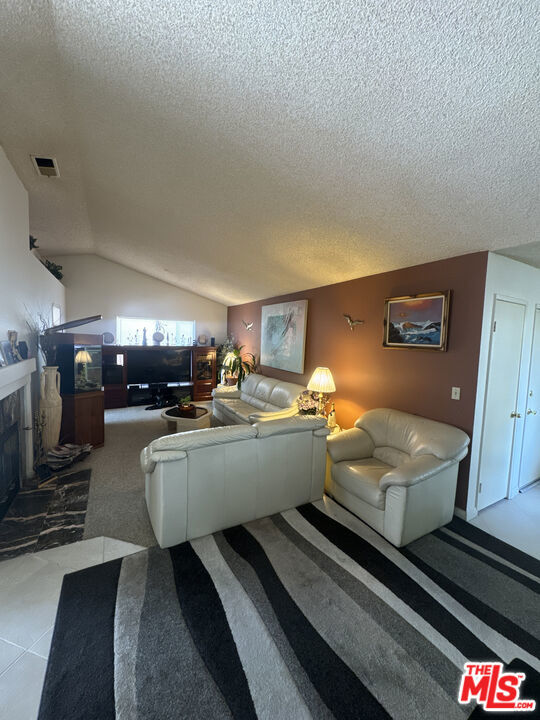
(16, 438)
(10, 454)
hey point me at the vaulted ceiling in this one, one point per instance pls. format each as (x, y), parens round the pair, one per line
(246, 149)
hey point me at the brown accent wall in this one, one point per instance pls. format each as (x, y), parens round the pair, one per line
(368, 375)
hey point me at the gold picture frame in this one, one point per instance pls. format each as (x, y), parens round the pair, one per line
(418, 322)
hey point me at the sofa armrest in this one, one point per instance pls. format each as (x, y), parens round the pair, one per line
(232, 393)
(414, 471)
(350, 444)
(273, 414)
(149, 458)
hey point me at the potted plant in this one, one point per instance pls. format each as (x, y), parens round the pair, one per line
(223, 350)
(238, 365)
(185, 407)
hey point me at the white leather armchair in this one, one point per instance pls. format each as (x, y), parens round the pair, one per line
(206, 480)
(397, 472)
(260, 398)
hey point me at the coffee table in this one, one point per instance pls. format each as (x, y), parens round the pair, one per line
(175, 423)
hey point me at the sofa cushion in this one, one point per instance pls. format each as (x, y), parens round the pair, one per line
(413, 435)
(361, 478)
(391, 456)
(269, 394)
(250, 383)
(259, 394)
(206, 437)
(290, 425)
(238, 408)
(285, 394)
(256, 391)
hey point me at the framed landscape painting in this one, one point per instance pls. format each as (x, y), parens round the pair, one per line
(417, 321)
(283, 335)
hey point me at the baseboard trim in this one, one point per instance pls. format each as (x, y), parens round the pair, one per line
(464, 515)
(530, 486)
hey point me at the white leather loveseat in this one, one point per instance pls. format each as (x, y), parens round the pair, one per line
(202, 481)
(260, 398)
(397, 472)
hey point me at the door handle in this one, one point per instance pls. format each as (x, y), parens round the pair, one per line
(531, 412)
(515, 415)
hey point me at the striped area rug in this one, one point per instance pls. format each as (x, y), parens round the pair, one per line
(307, 614)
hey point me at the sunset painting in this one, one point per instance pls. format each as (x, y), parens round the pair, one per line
(418, 321)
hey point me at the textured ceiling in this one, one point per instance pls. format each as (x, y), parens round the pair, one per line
(246, 149)
(529, 253)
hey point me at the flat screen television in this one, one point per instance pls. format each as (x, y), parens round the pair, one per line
(157, 365)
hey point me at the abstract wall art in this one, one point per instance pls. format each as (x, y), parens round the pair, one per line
(283, 335)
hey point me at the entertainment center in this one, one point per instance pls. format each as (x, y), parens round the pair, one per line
(157, 375)
(96, 377)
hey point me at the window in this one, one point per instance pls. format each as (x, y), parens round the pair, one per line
(134, 331)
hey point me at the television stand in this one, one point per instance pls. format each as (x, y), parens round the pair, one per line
(162, 396)
(128, 370)
(147, 394)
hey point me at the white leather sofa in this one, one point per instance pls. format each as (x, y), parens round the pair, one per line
(397, 472)
(260, 398)
(202, 481)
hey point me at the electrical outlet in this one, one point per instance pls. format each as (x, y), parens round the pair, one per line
(456, 393)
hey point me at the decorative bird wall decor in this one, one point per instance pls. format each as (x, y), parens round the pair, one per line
(248, 326)
(352, 322)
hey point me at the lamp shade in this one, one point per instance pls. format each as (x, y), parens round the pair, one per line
(83, 356)
(322, 381)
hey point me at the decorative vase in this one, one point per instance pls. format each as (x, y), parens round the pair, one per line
(50, 404)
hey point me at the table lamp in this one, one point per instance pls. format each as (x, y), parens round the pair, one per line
(83, 357)
(321, 382)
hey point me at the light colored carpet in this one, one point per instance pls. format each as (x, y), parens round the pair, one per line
(116, 504)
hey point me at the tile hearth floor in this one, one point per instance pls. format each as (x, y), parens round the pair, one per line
(46, 517)
(29, 592)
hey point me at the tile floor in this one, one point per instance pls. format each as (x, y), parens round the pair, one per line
(46, 517)
(29, 592)
(516, 521)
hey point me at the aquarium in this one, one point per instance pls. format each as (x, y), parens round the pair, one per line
(87, 367)
(79, 363)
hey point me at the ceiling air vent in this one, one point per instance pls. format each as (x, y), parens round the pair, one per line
(46, 166)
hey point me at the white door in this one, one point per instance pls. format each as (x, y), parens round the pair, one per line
(500, 413)
(530, 454)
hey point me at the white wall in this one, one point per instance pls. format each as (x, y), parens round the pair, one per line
(97, 286)
(26, 286)
(515, 280)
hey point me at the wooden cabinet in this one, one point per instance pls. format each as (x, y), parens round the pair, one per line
(115, 377)
(203, 372)
(119, 393)
(82, 418)
(79, 360)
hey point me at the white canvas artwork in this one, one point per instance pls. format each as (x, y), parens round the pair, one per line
(56, 314)
(283, 335)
